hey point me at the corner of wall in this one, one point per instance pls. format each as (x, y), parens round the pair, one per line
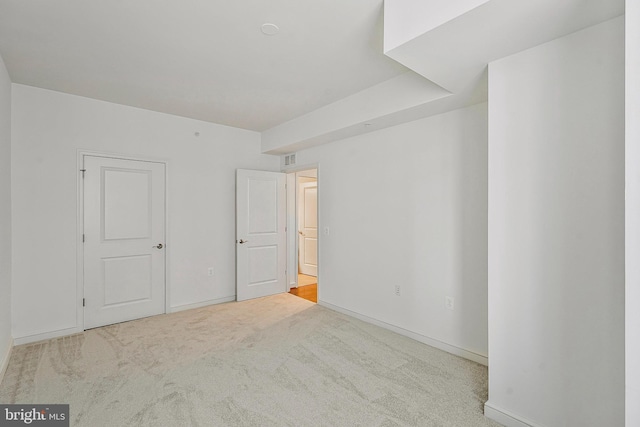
(506, 418)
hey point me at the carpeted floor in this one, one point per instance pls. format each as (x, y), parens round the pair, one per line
(274, 361)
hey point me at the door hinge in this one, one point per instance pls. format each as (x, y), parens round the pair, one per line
(83, 302)
(83, 171)
(83, 238)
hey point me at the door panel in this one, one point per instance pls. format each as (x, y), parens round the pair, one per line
(260, 233)
(263, 264)
(127, 279)
(263, 209)
(308, 228)
(127, 213)
(310, 253)
(124, 223)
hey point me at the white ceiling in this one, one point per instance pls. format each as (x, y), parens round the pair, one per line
(323, 77)
(448, 44)
(204, 59)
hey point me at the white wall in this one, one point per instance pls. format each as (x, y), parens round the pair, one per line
(407, 206)
(556, 232)
(632, 233)
(5, 215)
(48, 129)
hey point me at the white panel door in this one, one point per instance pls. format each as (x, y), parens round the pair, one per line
(260, 234)
(308, 228)
(124, 233)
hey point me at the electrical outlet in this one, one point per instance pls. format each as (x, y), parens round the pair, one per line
(398, 290)
(449, 302)
(326, 231)
(210, 271)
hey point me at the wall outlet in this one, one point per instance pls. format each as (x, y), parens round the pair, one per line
(326, 231)
(210, 271)
(449, 302)
(398, 290)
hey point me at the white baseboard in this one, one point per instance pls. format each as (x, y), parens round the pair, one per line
(506, 418)
(70, 331)
(5, 360)
(46, 336)
(201, 304)
(479, 358)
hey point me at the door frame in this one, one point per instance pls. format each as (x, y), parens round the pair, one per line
(80, 226)
(292, 224)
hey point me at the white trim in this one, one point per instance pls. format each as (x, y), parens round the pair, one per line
(80, 154)
(294, 170)
(79, 244)
(5, 360)
(320, 232)
(506, 418)
(47, 335)
(292, 266)
(78, 330)
(201, 304)
(112, 155)
(167, 241)
(479, 358)
(300, 168)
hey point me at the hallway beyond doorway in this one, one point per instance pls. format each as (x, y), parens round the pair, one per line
(307, 288)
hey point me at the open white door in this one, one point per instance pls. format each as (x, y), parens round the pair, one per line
(260, 234)
(308, 228)
(124, 230)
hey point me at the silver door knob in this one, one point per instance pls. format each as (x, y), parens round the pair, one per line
(159, 246)
(243, 241)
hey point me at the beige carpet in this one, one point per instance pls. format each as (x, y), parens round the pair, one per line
(274, 361)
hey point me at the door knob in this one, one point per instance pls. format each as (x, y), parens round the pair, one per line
(243, 241)
(159, 246)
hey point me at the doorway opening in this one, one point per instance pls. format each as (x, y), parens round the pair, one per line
(302, 196)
